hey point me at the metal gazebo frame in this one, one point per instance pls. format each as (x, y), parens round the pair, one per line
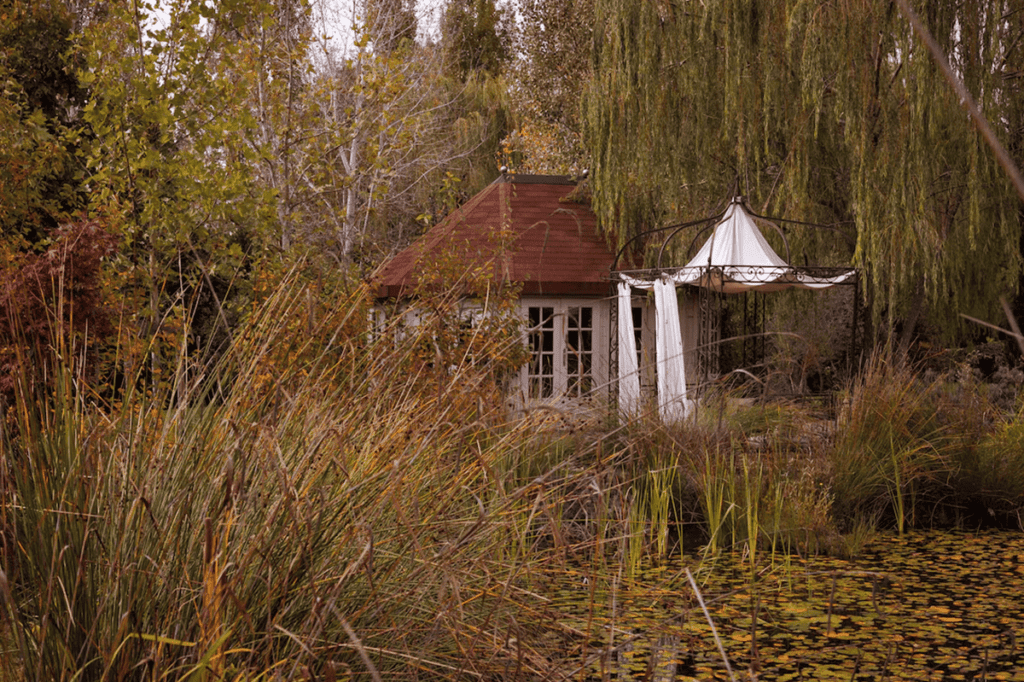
(713, 282)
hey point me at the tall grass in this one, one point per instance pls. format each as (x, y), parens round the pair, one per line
(990, 476)
(894, 450)
(331, 501)
(348, 512)
(717, 504)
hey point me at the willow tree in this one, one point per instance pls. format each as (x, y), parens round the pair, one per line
(833, 113)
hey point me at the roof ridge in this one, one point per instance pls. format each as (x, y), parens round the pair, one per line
(534, 179)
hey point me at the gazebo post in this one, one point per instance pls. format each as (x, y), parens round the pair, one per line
(613, 351)
(856, 322)
(742, 356)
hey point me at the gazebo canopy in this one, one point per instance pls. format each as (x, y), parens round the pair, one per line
(737, 258)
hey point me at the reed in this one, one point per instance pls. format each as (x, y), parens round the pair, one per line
(324, 502)
(637, 545)
(752, 477)
(662, 483)
(895, 487)
(716, 509)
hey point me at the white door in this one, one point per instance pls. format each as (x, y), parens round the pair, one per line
(568, 344)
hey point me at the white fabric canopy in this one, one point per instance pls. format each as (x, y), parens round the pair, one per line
(737, 258)
(673, 405)
(629, 375)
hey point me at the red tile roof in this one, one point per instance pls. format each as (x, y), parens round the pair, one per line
(553, 245)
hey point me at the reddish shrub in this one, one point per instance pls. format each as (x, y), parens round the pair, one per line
(52, 293)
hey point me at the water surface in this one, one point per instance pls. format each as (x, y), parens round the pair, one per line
(929, 605)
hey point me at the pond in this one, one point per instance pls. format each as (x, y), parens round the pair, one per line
(928, 605)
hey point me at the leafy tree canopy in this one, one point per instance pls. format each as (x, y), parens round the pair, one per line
(550, 69)
(476, 35)
(40, 101)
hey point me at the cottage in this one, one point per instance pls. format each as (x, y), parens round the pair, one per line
(549, 245)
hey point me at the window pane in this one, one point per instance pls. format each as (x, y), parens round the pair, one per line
(579, 341)
(540, 372)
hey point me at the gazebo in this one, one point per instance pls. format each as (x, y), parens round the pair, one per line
(735, 259)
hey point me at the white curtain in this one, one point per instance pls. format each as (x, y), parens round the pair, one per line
(629, 376)
(672, 402)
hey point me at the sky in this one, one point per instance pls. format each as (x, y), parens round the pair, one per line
(334, 21)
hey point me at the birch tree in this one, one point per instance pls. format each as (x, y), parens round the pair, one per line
(389, 130)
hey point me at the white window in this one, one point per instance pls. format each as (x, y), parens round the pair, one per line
(567, 340)
(579, 350)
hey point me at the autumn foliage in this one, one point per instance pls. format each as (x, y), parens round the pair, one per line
(52, 294)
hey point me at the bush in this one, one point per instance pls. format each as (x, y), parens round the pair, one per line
(990, 483)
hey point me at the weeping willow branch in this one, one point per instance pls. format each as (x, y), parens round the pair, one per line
(965, 97)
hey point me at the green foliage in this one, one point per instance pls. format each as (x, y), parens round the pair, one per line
(391, 24)
(39, 127)
(990, 477)
(31, 159)
(484, 118)
(476, 37)
(474, 50)
(36, 40)
(168, 168)
(892, 444)
(547, 76)
(920, 450)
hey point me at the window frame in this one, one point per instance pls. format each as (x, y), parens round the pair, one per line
(564, 333)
